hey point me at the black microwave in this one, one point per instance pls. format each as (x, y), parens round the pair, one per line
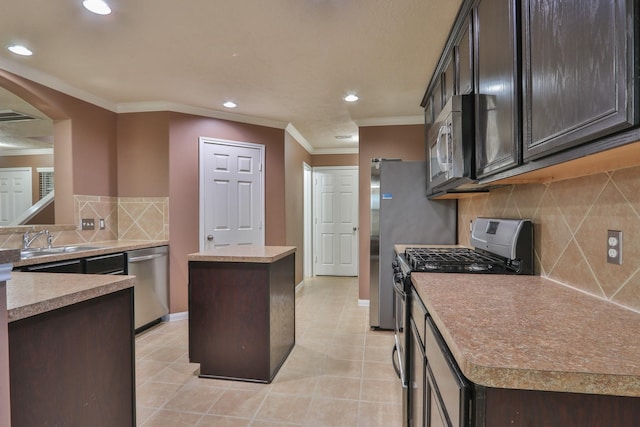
(450, 148)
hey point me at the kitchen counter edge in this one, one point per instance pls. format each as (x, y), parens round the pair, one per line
(105, 248)
(30, 294)
(528, 332)
(253, 254)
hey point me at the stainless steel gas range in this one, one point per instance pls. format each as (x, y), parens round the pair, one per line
(499, 246)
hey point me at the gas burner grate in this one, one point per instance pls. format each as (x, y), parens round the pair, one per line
(451, 260)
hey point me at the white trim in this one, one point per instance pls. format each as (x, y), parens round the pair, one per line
(44, 169)
(323, 168)
(172, 317)
(54, 83)
(353, 150)
(144, 107)
(27, 152)
(307, 212)
(299, 286)
(391, 121)
(299, 138)
(363, 303)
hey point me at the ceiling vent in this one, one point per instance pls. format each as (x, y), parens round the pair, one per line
(13, 116)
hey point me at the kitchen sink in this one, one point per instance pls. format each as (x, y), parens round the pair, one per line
(38, 252)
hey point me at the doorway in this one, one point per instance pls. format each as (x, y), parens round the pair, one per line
(231, 193)
(15, 193)
(335, 234)
(307, 208)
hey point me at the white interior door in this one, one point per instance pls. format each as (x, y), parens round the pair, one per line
(15, 193)
(336, 221)
(231, 193)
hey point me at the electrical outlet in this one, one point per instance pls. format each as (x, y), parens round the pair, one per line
(614, 247)
(88, 224)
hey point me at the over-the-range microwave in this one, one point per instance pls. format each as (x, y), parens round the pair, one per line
(450, 148)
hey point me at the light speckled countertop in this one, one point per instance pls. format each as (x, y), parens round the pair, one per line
(258, 254)
(105, 248)
(29, 294)
(527, 332)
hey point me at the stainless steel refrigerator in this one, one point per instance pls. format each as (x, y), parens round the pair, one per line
(401, 214)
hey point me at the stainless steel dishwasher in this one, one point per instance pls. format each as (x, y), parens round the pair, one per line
(150, 293)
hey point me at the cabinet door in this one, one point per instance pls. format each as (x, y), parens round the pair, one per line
(71, 266)
(464, 48)
(497, 113)
(449, 79)
(428, 114)
(578, 75)
(417, 379)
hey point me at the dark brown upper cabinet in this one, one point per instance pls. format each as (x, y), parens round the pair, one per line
(578, 72)
(464, 56)
(498, 137)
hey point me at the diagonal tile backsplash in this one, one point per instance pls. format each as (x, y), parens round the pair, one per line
(571, 219)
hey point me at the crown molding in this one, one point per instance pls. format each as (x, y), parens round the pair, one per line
(25, 152)
(299, 138)
(145, 107)
(54, 83)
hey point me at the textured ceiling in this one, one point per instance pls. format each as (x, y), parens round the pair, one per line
(282, 61)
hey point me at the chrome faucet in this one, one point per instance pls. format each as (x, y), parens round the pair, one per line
(27, 239)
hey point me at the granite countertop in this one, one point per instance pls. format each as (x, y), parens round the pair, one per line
(29, 294)
(105, 248)
(258, 254)
(9, 256)
(527, 332)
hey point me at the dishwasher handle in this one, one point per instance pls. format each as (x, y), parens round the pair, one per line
(146, 257)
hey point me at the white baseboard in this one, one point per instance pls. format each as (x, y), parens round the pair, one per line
(299, 286)
(363, 302)
(172, 317)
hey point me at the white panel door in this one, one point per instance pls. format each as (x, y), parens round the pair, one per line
(15, 193)
(231, 194)
(336, 221)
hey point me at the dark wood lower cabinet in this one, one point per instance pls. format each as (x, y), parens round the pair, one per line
(512, 408)
(241, 318)
(74, 366)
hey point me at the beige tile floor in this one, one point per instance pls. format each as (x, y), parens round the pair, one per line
(338, 374)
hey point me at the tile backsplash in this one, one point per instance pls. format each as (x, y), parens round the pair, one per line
(571, 219)
(125, 218)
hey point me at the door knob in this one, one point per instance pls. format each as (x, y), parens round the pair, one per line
(355, 228)
(210, 237)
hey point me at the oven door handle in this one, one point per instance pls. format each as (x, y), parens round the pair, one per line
(397, 286)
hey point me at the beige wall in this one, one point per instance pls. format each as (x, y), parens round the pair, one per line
(400, 142)
(571, 219)
(88, 166)
(318, 160)
(143, 154)
(184, 133)
(295, 156)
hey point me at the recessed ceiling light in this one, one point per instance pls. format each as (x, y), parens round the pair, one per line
(20, 50)
(230, 104)
(351, 98)
(97, 6)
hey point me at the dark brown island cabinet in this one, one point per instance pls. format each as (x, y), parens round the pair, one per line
(242, 311)
(71, 350)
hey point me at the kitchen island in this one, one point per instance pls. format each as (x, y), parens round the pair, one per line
(71, 349)
(537, 352)
(242, 311)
